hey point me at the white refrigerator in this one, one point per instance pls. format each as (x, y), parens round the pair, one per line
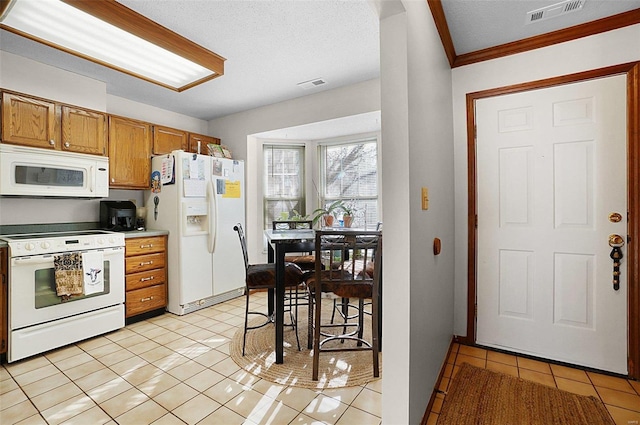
(198, 199)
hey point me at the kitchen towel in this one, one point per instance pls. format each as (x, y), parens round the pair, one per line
(92, 270)
(68, 274)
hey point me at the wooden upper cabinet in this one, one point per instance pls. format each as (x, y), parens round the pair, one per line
(167, 139)
(129, 153)
(204, 141)
(29, 122)
(84, 131)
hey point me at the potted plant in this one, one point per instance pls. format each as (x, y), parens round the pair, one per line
(327, 213)
(347, 217)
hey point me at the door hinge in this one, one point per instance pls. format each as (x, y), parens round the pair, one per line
(475, 310)
(476, 221)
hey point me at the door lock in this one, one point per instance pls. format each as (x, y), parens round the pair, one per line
(615, 217)
(616, 242)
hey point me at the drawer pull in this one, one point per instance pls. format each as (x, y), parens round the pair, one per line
(144, 279)
(146, 299)
(146, 246)
(146, 263)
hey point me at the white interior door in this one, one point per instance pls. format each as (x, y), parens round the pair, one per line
(551, 167)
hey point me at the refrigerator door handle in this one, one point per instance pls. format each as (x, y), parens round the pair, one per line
(213, 216)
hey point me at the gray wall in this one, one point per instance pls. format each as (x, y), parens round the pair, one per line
(417, 133)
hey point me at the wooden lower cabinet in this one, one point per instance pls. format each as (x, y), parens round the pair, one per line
(145, 274)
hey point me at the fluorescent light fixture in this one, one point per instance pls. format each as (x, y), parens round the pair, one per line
(110, 34)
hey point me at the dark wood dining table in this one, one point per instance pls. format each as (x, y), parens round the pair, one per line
(281, 242)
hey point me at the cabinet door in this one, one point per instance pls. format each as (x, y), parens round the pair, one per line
(145, 245)
(204, 141)
(83, 131)
(3, 300)
(146, 299)
(140, 263)
(129, 153)
(167, 139)
(29, 122)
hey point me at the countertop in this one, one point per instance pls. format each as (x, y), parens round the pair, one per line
(63, 227)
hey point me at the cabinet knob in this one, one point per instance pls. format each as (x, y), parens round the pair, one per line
(146, 263)
(144, 279)
(52, 142)
(67, 144)
(146, 299)
(146, 246)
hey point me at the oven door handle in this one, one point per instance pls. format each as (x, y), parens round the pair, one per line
(48, 258)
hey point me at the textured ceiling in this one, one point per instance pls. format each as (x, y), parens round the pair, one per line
(479, 24)
(271, 45)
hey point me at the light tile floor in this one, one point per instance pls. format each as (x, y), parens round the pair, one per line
(620, 396)
(176, 369)
(169, 370)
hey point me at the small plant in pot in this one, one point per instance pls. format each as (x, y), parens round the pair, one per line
(327, 213)
(347, 217)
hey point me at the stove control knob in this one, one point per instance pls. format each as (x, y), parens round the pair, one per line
(100, 241)
(29, 246)
(45, 245)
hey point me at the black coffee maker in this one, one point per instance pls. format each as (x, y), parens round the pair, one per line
(117, 215)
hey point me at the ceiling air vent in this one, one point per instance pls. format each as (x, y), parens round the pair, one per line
(306, 85)
(554, 10)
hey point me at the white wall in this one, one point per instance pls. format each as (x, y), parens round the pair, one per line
(417, 152)
(237, 130)
(139, 111)
(30, 77)
(395, 207)
(611, 48)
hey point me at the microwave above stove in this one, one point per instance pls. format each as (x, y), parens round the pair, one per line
(26, 171)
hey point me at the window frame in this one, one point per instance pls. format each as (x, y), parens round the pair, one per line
(302, 200)
(323, 199)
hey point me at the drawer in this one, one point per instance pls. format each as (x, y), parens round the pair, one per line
(137, 246)
(144, 262)
(145, 299)
(144, 279)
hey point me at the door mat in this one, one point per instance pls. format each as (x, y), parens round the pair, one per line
(481, 396)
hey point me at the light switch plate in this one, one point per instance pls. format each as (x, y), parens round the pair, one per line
(425, 198)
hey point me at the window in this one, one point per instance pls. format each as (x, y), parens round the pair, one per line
(284, 182)
(350, 172)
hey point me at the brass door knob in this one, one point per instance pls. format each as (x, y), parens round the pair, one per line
(616, 241)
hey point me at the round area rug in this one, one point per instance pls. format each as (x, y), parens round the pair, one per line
(336, 369)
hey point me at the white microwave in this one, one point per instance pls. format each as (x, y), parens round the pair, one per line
(26, 171)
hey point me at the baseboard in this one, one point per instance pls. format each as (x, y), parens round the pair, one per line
(435, 391)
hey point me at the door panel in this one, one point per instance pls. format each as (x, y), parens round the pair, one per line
(551, 166)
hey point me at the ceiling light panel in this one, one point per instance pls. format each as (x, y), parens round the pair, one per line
(68, 28)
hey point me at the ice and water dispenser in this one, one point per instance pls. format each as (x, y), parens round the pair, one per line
(195, 218)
